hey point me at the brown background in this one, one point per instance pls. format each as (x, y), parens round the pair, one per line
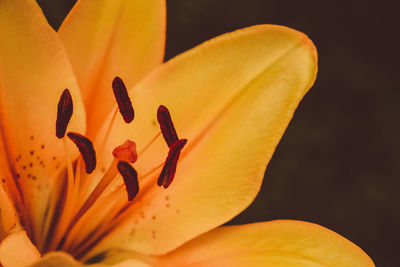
(337, 164)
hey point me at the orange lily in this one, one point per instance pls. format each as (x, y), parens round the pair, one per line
(231, 98)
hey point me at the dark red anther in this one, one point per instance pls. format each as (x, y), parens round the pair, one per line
(85, 146)
(130, 177)
(64, 113)
(166, 125)
(168, 172)
(123, 100)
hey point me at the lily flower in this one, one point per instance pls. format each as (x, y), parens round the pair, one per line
(82, 184)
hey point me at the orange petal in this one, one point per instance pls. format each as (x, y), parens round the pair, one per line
(131, 263)
(61, 259)
(7, 211)
(275, 243)
(57, 259)
(105, 39)
(17, 250)
(34, 70)
(232, 98)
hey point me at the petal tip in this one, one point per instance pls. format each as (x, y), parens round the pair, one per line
(300, 35)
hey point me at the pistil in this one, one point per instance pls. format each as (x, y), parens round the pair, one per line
(125, 152)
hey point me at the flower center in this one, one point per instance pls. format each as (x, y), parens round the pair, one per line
(85, 214)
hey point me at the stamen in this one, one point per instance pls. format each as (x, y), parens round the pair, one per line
(64, 113)
(166, 125)
(149, 144)
(130, 179)
(62, 221)
(109, 127)
(85, 146)
(123, 100)
(168, 172)
(126, 152)
(94, 195)
(100, 213)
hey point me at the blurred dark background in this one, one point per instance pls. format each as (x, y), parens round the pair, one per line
(337, 164)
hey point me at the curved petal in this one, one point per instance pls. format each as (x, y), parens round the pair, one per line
(61, 259)
(132, 263)
(105, 39)
(232, 98)
(120, 258)
(57, 259)
(17, 250)
(275, 243)
(7, 211)
(34, 70)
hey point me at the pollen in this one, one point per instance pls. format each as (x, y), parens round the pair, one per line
(85, 146)
(167, 126)
(64, 113)
(168, 172)
(130, 179)
(123, 100)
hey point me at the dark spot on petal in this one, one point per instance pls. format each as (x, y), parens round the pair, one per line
(132, 232)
